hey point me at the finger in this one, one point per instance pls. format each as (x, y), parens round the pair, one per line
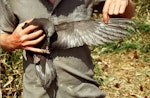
(117, 7)
(29, 29)
(28, 21)
(22, 24)
(33, 42)
(33, 49)
(124, 4)
(33, 35)
(105, 18)
(112, 7)
(105, 11)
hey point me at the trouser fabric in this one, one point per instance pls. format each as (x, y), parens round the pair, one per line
(74, 72)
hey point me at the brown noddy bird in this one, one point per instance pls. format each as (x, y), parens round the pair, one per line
(64, 36)
(74, 34)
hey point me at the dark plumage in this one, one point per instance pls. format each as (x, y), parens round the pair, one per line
(43, 63)
(74, 34)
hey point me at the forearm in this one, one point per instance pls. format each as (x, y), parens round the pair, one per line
(4, 42)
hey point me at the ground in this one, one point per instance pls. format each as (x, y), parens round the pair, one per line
(124, 75)
(122, 67)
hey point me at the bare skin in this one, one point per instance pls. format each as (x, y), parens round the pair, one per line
(52, 1)
(123, 8)
(22, 39)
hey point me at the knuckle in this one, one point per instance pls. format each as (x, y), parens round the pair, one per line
(114, 1)
(22, 45)
(22, 39)
(24, 48)
(20, 25)
(122, 12)
(116, 13)
(110, 13)
(20, 34)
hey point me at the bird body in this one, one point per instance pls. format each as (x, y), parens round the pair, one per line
(74, 34)
(66, 25)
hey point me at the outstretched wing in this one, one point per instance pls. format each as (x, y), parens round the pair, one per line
(91, 32)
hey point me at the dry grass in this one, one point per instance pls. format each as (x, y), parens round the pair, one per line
(122, 67)
(124, 74)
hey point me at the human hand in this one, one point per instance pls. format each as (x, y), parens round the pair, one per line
(114, 7)
(24, 39)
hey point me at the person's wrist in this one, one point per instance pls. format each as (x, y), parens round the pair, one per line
(6, 42)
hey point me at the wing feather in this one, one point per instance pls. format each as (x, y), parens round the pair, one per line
(92, 32)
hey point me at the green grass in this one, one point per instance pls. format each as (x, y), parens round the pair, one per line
(132, 51)
(123, 67)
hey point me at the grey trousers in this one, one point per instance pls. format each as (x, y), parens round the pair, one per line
(74, 71)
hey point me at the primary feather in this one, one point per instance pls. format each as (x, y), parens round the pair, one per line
(91, 32)
(74, 34)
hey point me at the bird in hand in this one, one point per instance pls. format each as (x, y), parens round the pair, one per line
(74, 34)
